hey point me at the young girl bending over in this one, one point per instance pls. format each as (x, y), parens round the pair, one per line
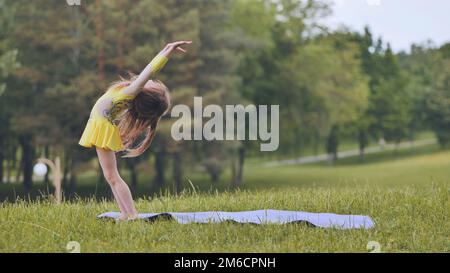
(126, 110)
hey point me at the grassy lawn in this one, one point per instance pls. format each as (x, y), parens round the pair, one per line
(410, 219)
(407, 194)
(420, 166)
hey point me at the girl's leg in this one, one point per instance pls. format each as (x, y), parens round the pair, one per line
(119, 188)
(120, 203)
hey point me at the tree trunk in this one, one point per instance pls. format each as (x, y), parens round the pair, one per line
(332, 144)
(76, 34)
(240, 169)
(177, 170)
(11, 161)
(131, 165)
(233, 172)
(2, 157)
(362, 141)
(99, 35)
(120, 42)
(19, 169)
(27, 161)
(8, 170)
(8, 167)
(160, 167)
(214, 178)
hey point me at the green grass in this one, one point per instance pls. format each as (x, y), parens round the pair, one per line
(418, 167)
(407, 194)
(345, 144)
(410, 219)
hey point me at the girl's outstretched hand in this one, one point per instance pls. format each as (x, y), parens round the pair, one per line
(171, 47)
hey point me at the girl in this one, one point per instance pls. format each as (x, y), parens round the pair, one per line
(128, 109)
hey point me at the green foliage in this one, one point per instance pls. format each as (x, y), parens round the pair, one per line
(8, 64)
(245, 51)
(438, 104)
(428, 88)
(439, 115)
(8, 54)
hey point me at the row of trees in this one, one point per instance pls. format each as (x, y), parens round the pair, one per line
(56, 59)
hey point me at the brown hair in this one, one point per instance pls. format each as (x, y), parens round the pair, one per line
(143, 116)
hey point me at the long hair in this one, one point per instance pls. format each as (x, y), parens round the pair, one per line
(142, 116)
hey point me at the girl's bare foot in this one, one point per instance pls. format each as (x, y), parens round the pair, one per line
(133, 216)
(123, 217)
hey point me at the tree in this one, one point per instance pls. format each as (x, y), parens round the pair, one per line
(422, 66)
(333, 88)
(438, 101)
(389, 104)
(8, 64)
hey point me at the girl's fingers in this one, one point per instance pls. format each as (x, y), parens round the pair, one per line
(177, 44)
(182, 43)
(170, 47)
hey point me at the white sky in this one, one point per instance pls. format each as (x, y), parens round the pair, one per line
(400, 22)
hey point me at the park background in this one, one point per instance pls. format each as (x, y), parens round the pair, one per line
(364, 129)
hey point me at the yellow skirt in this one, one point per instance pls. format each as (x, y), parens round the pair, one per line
(103, 134)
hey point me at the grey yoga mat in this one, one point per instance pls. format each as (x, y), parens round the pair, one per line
(323, 220)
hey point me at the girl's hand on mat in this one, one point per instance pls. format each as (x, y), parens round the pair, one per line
(171, 47)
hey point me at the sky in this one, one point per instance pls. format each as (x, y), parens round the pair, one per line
(399, 22)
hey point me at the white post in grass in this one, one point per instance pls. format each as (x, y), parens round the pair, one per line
(40, 169)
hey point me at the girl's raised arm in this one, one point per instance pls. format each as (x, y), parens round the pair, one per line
(154, 66)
